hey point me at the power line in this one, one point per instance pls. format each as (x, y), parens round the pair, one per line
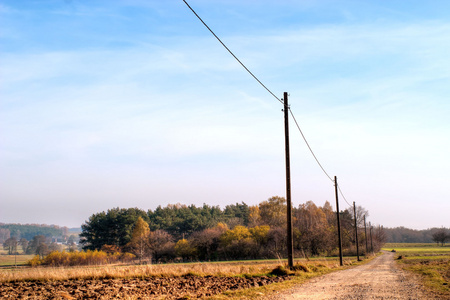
(267, 89)
(342, 194)
(309, 147)
(232, 53)
(315, 157)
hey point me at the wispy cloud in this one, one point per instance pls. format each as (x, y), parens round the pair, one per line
(175, 117)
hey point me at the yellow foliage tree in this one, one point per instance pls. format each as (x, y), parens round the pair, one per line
(139, 243)
(184, 249)
(260, 234)
(273, 212)
(235, 234)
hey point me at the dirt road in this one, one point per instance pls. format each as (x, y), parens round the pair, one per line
(378, 279)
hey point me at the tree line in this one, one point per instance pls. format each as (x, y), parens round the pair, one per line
(181, 232)
(28, 231)
(39, 245)
(407, 235)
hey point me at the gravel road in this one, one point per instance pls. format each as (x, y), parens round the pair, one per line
(378, 279)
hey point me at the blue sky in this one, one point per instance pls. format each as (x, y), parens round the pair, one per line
(135, 104)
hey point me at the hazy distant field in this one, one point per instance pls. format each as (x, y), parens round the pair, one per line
(430, 261)
(10, 260)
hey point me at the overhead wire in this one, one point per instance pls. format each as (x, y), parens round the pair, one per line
(309, 147)
(267, 89)
(342, 194)
(235, 57)
(315, 157)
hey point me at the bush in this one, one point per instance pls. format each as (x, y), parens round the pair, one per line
(79, 258)
(301, 267)
(35, 261)
(280, 271)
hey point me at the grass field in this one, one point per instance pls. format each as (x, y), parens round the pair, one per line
(10, 260)
(235, 268)
(429, 261)
(306, 269)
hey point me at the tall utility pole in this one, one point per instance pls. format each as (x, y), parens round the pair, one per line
(338, 220)
(290, 237)
(365, 234)
(356, 231)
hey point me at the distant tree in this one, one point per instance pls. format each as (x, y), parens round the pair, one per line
(55, 247)
(276, 245)
(42, 250)
(181, 220)
(379, 237)
(139, 243)
(24, 244)
(235, 234)
(238, 211)
(10, 245)
(28, 231)
(441, 236)
(254, 217)
(71, 240)
(260, 235)
(313, 232)
(184, 249)
(162, 245)
(206, 242)
(273, 212)
(114, 227)
(4, 234)
(37, 245)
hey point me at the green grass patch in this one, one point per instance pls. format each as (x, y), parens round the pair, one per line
(390, 246)
(417, 249)
(430, 262)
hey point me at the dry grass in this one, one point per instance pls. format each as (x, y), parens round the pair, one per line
(241, 268)
(430, 262)
(10, 260)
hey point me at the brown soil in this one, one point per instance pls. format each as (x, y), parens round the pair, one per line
(378, 279)
(184, 287)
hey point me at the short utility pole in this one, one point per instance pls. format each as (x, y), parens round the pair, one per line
(338, 221)
(290, 237)
(356, 231)
(371, 239)
(365, 235)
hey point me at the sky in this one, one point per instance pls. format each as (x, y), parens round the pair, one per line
(134, 103)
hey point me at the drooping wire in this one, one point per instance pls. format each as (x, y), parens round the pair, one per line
(315, 157)
(232, 53)
(309, 147)
(342, 194)
(267, 89)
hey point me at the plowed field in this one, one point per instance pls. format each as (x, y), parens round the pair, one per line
(183, 287)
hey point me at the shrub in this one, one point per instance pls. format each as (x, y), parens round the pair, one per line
(35, 261)
(79, 258)
(280, 271)
(301, 267)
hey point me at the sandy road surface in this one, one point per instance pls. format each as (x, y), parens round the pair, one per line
(378, 279)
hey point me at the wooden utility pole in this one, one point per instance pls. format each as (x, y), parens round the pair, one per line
(365, 235)
(371, 239)
(356, 231)
(290, 237)
(338, 221)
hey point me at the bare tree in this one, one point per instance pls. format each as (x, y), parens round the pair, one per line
(441, 236)
(10, 245)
